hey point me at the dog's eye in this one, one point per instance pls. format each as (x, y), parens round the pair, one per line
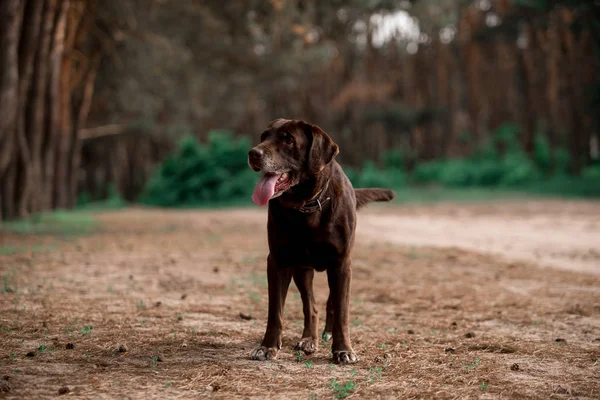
(288, 141)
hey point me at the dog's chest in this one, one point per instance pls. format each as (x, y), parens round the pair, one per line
(307, 253)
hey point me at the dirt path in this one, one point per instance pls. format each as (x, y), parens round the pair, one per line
(149, 306)
(562, 235)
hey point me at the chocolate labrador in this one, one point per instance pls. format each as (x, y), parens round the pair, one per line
(311, 224)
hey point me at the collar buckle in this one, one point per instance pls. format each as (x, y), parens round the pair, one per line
(310, 207)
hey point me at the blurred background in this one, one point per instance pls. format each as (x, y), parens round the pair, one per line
(158, 101)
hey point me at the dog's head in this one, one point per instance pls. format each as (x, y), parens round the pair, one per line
(289, 152)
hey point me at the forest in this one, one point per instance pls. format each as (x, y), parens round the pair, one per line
(95, 96)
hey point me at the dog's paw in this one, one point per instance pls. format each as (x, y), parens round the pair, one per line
(326, 337)
(344, 357)
(262, 353)
(307, 345)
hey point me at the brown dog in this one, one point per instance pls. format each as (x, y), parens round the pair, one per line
(311, 224)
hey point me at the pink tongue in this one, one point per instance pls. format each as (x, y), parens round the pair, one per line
(265, 189)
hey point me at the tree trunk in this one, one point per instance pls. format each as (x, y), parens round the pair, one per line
(11, 15)
(57, 147)
(30, 38)
(38, 135)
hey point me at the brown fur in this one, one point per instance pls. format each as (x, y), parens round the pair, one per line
(366, 196)
(301, 244)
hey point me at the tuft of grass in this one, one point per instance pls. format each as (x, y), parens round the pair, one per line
(85, 331)
(484, 386)
(43, 348)
(342, 390)
(154, 362)
(69, 331)
(140, 305)
(375, 374)
(471, 366)
(309, 364)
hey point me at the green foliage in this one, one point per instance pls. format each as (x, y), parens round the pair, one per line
(542, 153)
(342, 390)
(68, 223)
(499, 162)
(502, 163)
(113, 201)
(202, 173)
(371, 176)
(216, 173)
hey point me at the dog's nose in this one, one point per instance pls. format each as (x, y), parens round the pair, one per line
(256, 154)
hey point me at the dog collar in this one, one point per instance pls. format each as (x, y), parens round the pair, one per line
(316, 203)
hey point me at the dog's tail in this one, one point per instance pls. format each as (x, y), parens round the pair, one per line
(366, 196)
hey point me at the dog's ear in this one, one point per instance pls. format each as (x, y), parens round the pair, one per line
(322, 150)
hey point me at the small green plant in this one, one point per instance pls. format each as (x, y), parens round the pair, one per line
(154, 362)
(309, 364)
(299, 356)
(375, 374)
(85, 331)
(484, 386)
(179, 316)
(43, 348)
(140, 305)
(168, 384)
(471, 366)
(174, 335)
(342, 390)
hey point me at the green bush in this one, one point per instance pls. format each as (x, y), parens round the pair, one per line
(216, 172)
(498, 162)
(201, 173)
(371, 176)
(112, 201)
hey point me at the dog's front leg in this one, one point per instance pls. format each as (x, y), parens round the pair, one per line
(279, 278)
(303, 277)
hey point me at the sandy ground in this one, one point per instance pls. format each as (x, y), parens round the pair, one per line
(496, 300)
(563, 235)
